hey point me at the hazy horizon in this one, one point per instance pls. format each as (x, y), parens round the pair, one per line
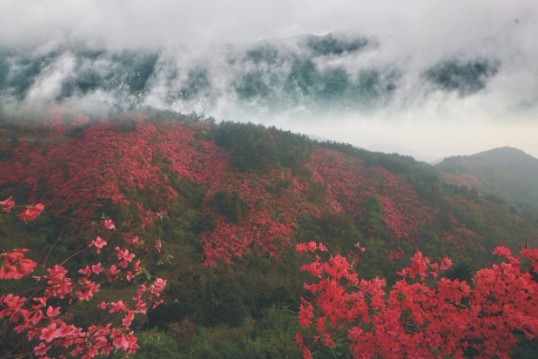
(438, 78)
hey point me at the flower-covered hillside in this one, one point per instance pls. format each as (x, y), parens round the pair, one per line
(257, 188)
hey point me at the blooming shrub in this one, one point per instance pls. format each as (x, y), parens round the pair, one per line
(41, 316)
(423, 314)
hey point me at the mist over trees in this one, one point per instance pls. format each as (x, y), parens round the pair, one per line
(305, 73)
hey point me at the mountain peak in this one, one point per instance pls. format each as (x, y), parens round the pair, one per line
(503, 151)
(505, 172)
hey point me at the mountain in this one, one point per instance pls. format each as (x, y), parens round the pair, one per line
(303, 75)
(229, 202)
(507, 173)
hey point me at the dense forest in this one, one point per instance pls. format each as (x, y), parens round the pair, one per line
(228, 206)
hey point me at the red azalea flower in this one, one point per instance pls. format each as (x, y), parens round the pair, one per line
(109, 224)
(7, 204)
(98, 243)
(31, 212)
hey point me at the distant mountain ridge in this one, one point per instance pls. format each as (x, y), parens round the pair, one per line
(506, 172)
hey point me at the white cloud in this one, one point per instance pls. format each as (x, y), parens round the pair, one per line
(412, 35)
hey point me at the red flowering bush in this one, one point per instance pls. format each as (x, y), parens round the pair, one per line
(40, 314)
(7, 204)
(423, 314)
(31, 212)
(349, 182)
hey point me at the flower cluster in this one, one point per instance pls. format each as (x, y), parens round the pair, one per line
(14, 265)
(29, 213)
(41, 317)
(349, 182)
(423, 315)
(7, 204)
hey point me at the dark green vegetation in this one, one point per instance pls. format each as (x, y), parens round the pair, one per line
(465, 77)
(332, 45)
(508, 174)
(245, 191)
(255, 147)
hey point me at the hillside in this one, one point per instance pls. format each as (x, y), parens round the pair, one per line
(229, 202)
(507, 173)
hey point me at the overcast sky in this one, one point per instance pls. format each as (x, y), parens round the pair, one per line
(412, 32)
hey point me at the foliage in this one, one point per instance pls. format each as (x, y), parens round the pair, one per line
(255, 147)
(230, 206)
(465, 77)
(269, 337)
(331, 45)
(155, 344)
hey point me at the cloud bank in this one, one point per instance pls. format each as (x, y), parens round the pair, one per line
(407, 72)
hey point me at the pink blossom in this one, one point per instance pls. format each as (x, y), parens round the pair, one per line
(31, 212)
(109, 224)
(98, 243)
(49, 333)
(7, 204)
(157, 287)
(53, 311)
